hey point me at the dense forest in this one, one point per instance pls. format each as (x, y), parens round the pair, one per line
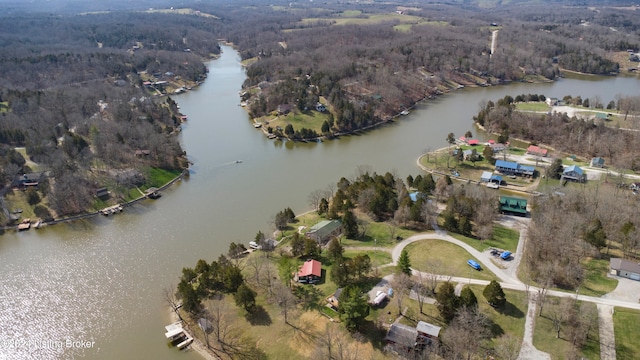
(83, 90)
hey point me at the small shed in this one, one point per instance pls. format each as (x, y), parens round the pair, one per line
(597, 162)
(334, 300)
(428, 330)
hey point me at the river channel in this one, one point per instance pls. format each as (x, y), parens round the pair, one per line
(97, 284)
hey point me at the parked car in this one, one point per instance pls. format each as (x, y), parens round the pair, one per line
(474, 264)
(505, 255)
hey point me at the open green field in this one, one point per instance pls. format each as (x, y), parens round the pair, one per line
(453, 259)
(533, 106)
(503, 238)
(544, 338)
(626, 325)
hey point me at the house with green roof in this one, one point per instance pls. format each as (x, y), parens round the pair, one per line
(323, 231)
(513, 205)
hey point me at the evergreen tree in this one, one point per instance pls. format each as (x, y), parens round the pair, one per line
(340, 273)
(350, 224)
(335, 250)
(353, 307)
(494, 294)
(323, 207)
(448, 302)
(288, 130)
(554, 170)
(311, 248)
(464, 226)
(297, 245)
(404, 263)
(245, 297)
(487, 153)
(595, 235)
(468, 298)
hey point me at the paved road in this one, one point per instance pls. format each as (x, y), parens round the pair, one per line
(509, 280)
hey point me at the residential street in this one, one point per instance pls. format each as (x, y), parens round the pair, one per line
(625, 295)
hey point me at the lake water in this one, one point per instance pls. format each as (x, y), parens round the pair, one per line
(100, 281)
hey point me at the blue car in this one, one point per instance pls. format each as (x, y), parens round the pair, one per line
(505, 255)
(474, 264)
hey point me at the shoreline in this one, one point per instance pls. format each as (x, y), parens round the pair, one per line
(98, 212)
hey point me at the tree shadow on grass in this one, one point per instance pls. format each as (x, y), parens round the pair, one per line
(511, 310)
(259, 317)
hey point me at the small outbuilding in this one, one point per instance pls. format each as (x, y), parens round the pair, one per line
(597, 162)
(427, 330)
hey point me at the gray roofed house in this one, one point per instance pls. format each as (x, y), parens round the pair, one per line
(325, 230)
(429, 330)
(625, 268)
(402, 335)
(27, 180)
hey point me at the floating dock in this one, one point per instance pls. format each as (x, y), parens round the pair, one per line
(111, 210)
(177, 336)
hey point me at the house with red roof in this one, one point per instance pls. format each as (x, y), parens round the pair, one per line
(536, 151)
(310, 272)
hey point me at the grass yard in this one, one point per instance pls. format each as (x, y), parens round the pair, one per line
(377, 257)
(503, 238)
(544, 338)
(596, 282)
(533, 106)
(159, 177)
(508, 320)
(453, 259)
(17, 200)
(626, 324)
(310, 119)
(4, 106)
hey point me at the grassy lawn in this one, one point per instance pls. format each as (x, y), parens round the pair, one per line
(626, 324)
(544, 338)
(533, 106)
(503, 238)
(159, 177)
(596, 282)
(310, 120)
(377, 257)
(453, 259)
(376, 234)
(4, 106)
(508, 320)
(17, 200)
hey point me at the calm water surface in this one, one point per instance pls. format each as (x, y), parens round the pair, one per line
(98, 283)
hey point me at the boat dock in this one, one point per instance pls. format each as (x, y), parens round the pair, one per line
(24, 225)
(111, 210)
(177, 336)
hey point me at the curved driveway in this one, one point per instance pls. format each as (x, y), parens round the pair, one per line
(509, 280)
